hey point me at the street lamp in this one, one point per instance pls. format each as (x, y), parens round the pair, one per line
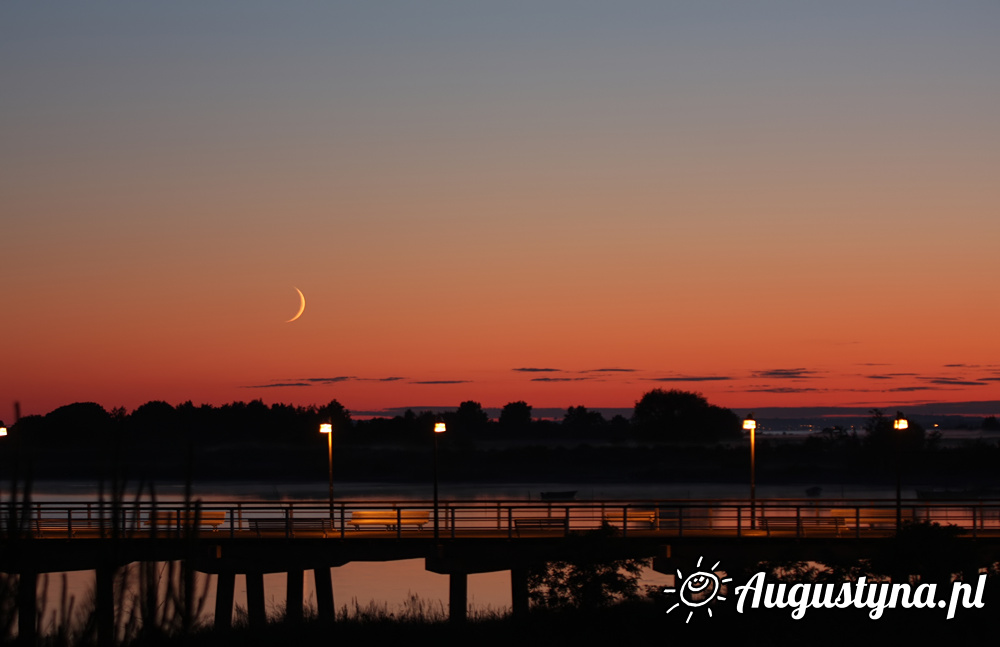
(3, 432)
(899, 424)
(327, 428)
(439, 428)
(750, 425)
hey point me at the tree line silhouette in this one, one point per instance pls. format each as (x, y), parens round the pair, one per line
(671, 436)
(659, 416)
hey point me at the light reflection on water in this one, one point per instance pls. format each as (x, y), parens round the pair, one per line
(86, 491)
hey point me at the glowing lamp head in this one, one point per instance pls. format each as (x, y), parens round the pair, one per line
(3, 429)
(900, 423)
(749, 423)
(439, 427)
(326, 428)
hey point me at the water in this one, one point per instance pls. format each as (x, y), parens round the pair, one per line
(85, 491)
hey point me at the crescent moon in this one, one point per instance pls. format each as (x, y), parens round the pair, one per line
(302, 306)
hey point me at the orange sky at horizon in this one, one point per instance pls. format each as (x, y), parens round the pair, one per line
(784, 206)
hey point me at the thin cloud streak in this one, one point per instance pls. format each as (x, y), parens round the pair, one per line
(313, 381)
(787, 374)
(690, 378)
(952, 381)
(276, 385)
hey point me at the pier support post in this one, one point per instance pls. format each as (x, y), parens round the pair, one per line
(224, 600)
(324, 593)
(519, 591)
(26, 607)
(255, 600)
(293, 595)
(458, 596)
(105, 594)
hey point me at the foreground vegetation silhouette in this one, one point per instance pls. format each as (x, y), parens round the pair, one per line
(586, 581)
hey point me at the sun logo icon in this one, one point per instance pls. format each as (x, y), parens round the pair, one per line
(698, 589)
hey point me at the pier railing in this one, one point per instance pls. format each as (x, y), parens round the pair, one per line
(844, 519)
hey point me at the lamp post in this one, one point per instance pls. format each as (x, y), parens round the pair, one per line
(327, 428)
(750, 425)
(439, 428)
(899, 424)
(3, 432)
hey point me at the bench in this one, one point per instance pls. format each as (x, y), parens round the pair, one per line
(269, 526)
(288, 527)
(541, 523)
(168, 519)
(41, 526)
(871, 517)
(66, 527)
(634, 515)
(324, 526)
(800, 525)
(389, 518)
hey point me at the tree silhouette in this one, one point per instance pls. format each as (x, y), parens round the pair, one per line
(682, 415)
(578, 422)
(882, 438)
(78, 425)
(470, 418)
(335, 413)
(515, 418)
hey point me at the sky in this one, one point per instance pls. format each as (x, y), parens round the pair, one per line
(564, 202)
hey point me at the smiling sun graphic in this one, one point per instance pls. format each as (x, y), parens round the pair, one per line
(698, 589)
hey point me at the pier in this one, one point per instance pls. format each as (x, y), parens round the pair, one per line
(251, 538)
